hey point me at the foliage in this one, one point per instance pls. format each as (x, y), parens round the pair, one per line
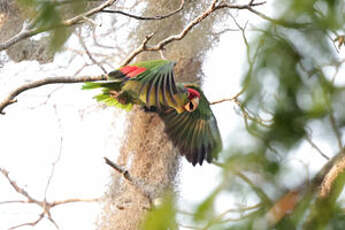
(162, 216)
(48, 15)
(290, 91)
(289, 82)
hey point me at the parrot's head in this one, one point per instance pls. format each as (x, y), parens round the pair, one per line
(193, 100)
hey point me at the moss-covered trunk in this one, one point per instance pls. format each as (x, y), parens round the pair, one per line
(147, 152)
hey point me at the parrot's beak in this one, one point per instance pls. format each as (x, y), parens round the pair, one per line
(192, 104)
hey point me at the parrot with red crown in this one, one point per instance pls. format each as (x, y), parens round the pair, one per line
(189, 120)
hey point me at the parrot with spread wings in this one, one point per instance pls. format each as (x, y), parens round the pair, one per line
(189, 121)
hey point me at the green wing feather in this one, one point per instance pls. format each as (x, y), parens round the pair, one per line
(154, 85)
(196, 133)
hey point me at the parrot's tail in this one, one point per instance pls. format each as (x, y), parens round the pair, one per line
(111, 93)
(114, 85)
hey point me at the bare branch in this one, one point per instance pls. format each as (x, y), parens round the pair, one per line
(261, 194)
(244, 214)
(277, 21)
(283, 206)
(89, 54)
(331, 176)
(161, 45)
(228, 99)
(158, 17)
(310, 141)
(321, 185)
(49, 95)
(73, 200)
(133, 181)
(29, 223)
(19, 189)
(26, 32)
(15, 202)
(247, 116)
(243, 32)
(45, 205)
(10, 99)
(138, 50)
(117, 168)
(335, 129)
(53, 169)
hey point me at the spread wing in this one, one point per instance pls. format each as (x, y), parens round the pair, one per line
(152, 82)
(195, 133)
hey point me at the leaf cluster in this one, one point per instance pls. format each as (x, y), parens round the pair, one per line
(48, 15)
(293, 82)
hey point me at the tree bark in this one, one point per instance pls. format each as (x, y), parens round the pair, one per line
(147, 153)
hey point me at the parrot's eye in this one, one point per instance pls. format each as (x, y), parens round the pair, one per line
(192, 104)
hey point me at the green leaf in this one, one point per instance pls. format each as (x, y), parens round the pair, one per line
(205, 210)
(162, 217)
(48, 16)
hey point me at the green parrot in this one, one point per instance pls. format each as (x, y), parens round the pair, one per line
(189, 121)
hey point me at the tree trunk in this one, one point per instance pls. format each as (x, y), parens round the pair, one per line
(147, 153)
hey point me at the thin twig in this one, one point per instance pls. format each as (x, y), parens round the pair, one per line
(158, 17)
(117, 168)
(45, 205)
(161, 45)
(261, 194)
(310, 141)
(243, 32)
(29, 223)
(277, 21)
(94, 61)
(219, 219)
(26, 32)
(138, 50)
(228, 99)
(336, 130)
(133, 181)
(53, 169)
(240, 218)
(18, 189)
(49, 95)
(46, 81)
(73, 200)
(15, 202)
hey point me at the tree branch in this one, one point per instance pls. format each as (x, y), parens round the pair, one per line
(161, 45)
(19, 189)
(310, 141)
(26, 32)
(259, 191)
(228, 99)
(94, 61)
(321, 187)
(117, 168)
(335, 129)
(158, 17)
(44, 204)
(10, 99)
(34, 223)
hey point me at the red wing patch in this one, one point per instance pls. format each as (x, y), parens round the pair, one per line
(125, 70)
(193, 93)
(136, 72)
(132, 71)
